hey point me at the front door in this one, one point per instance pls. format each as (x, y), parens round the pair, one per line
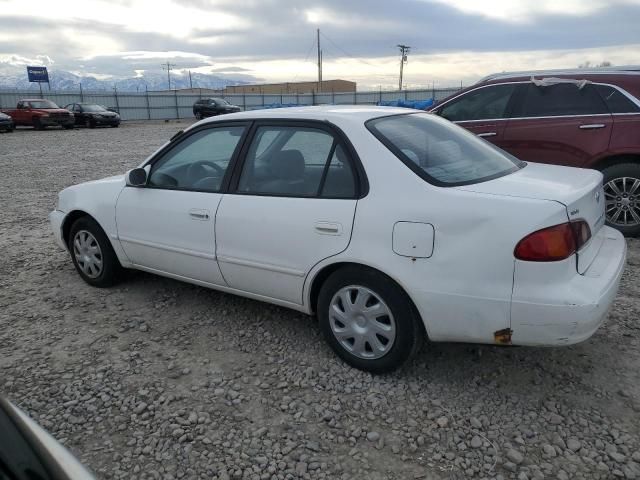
(293, 206)
(562, 124)
(483, 111)
(168, 225)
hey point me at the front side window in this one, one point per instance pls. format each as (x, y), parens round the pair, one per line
(441, 153)
(199, 162)
(616, 101)
(296, 161)
(482, 104)
(561, 99)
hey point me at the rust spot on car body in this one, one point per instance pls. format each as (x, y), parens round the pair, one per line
(503, 337)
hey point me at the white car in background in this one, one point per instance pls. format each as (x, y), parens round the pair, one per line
(391, 225)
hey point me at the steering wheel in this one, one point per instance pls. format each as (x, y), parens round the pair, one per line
(201, 169)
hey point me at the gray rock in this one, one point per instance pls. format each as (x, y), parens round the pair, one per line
(373, 436)
(514, 456)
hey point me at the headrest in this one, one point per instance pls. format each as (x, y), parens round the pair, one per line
(288, 165)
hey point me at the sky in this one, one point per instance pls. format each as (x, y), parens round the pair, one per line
(453, 41)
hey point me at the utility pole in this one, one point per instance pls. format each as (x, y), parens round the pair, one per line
(168, 67)
(404, 51)
(190, 82)
(319, 62)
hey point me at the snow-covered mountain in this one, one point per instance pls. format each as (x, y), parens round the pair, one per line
(64, 80)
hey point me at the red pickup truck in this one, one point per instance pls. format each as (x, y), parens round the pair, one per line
(39, 113)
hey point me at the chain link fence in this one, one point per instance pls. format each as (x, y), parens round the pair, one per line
(174, 104)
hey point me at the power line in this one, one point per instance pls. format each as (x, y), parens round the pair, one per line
(353, 57)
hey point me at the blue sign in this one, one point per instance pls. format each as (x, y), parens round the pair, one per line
(38, 74)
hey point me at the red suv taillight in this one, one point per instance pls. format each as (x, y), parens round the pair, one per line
(553, 243)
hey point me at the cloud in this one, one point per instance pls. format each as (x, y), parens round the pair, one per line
(273, 38)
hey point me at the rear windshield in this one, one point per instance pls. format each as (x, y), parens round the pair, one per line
(439, 151)
(43, 104)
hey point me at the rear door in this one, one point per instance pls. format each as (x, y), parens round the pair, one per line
(293, 206)
(562, 124)
(483, 111)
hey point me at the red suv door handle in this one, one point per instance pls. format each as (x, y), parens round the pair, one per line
(592, 126)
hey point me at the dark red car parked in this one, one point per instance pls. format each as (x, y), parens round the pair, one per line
(581, 118)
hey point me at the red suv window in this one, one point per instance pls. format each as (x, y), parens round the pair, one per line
(560, 99)
(484, 103)
(616, 101)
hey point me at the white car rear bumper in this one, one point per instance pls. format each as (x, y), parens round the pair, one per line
(545, 311)
(56, 218)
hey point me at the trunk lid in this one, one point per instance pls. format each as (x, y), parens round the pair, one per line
(579, 190)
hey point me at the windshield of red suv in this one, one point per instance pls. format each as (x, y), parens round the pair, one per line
(440, 152)
(43, 104)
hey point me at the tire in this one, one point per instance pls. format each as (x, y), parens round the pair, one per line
(89, 123)
(37, 124)
(68, 127)
(104, 275)
(115, 125)
(397, 334)
(198, 116)
(622, 194)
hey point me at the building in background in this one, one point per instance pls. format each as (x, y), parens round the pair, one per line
(328, 86)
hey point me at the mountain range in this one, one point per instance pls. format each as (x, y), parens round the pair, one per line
(12, 78)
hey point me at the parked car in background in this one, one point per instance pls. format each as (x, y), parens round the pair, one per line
(39, 113)
(579, 118)
(451, 239)
(91, 115)
(27, 451)
(208, 107)
(6, 123)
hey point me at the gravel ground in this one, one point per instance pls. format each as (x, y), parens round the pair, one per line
(160, 379)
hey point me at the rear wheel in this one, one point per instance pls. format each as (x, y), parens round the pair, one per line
(622, 196)
(92, 253)
(368, 320)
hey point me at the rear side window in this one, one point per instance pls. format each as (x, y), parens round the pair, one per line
(296, 162)
(616, 101)
(440, 152)
(560, 100)
(484, 103)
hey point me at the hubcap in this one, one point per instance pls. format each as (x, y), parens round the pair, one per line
(87, 253)
(622, 202)
(362, 322)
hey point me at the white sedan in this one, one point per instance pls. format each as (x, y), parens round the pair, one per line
(392, 226)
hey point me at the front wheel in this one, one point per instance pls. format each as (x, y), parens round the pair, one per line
(622, 195)
(89, 123)
(37, 124)
(368, 320)
(92, 253)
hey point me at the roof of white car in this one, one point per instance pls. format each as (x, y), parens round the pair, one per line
(332, 113)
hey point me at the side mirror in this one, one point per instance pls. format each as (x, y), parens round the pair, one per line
(136, 177)
(27, 451)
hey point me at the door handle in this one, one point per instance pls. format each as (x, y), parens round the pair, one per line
(198, 214)
(328, 228)
(592, 126)
(487, 134)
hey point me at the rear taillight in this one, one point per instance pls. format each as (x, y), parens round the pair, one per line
(553, 243)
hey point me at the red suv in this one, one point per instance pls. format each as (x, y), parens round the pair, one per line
(581, 118)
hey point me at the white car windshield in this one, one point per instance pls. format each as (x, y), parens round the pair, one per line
(441, 152)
